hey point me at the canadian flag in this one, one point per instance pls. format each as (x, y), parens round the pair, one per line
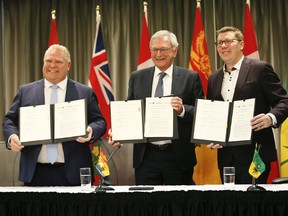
(250, 48)
(144, 57)
(53, 37)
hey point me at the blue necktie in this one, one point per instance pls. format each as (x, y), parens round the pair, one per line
(159, 87)
(51, 149)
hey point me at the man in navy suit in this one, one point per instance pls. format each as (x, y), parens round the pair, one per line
(35, 169)
(243, 78)
(169, 162)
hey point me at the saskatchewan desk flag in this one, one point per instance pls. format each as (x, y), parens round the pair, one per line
(257, 166)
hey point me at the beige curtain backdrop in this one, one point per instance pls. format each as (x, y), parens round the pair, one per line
(25, 26)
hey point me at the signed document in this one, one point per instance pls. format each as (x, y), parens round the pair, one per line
(127, 120)
(224, 123)
(160, 121)
(134, 122)
(55, 123)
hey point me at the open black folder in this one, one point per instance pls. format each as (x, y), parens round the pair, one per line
(138, 121)
(224, 123)
(53, 123)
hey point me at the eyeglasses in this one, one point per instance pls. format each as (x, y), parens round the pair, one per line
(161, 50)
(227, 42)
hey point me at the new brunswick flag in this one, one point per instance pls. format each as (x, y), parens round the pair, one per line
(206, 171)
(257, 166)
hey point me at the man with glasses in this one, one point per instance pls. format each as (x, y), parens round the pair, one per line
(169, 162)
(242, 78)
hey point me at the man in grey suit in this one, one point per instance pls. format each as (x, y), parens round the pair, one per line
(36, 169)
(243, 78)
(169, 162)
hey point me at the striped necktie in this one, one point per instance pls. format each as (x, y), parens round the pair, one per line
(159, 87)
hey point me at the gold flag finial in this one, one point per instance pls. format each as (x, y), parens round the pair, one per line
(97, 10)
(145, 4)
(97, 14)
(53, 14)
(198, 3)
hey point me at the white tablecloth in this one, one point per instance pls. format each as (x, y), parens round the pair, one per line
(123, 189)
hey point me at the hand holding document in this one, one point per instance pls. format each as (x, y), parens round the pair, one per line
(132, 122)
(53, 123)
(222, 122)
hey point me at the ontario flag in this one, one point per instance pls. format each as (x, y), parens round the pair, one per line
(99, 77)
(206, 171)
(144, 57)
(99, 80)
(251, 51)
(53, 37)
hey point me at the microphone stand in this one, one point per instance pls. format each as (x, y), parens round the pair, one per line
(255, 187)
(103, 185)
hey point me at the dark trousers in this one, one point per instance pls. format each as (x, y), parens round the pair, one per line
(159, 167)
(49, 175)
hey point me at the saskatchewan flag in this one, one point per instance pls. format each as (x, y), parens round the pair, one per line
(257, 166)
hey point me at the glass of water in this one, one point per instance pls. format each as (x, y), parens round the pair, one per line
(85, 178)
(229, 177)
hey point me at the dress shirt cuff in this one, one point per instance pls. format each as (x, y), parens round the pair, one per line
(183, 112)
(8, 146)
(274, 120)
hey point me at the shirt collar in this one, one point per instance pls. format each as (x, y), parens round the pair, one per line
(62, 85)
(168, 71)
(236, 66)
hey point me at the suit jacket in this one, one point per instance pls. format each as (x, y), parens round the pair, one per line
(186, 84)
(256, 80)
(76, 154)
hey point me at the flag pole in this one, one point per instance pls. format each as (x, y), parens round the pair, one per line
(254, 186)
(145, 9)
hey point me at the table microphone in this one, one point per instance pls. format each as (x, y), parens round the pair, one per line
(103, 184)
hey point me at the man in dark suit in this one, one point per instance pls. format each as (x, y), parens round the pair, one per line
(243, 78)
(169, 162)
(35, 167)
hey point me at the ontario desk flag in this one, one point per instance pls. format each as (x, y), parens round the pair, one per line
(257, 166)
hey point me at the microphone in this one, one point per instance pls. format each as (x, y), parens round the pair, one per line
(100, 167)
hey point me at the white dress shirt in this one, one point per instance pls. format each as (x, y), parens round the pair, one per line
(61, 93)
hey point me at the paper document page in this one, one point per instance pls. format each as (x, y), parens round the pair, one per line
(70, 119)
(159, 117)
(35, 123)
(211, 120)
(243, 112)
(127, 120)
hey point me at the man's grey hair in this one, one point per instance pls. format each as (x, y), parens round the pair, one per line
(66, 53)
(164, 33)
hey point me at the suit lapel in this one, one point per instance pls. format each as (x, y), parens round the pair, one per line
(243, 73)
(40, 98)
(71, 93)
(176, 80)
(149, 78)
(218, 85)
